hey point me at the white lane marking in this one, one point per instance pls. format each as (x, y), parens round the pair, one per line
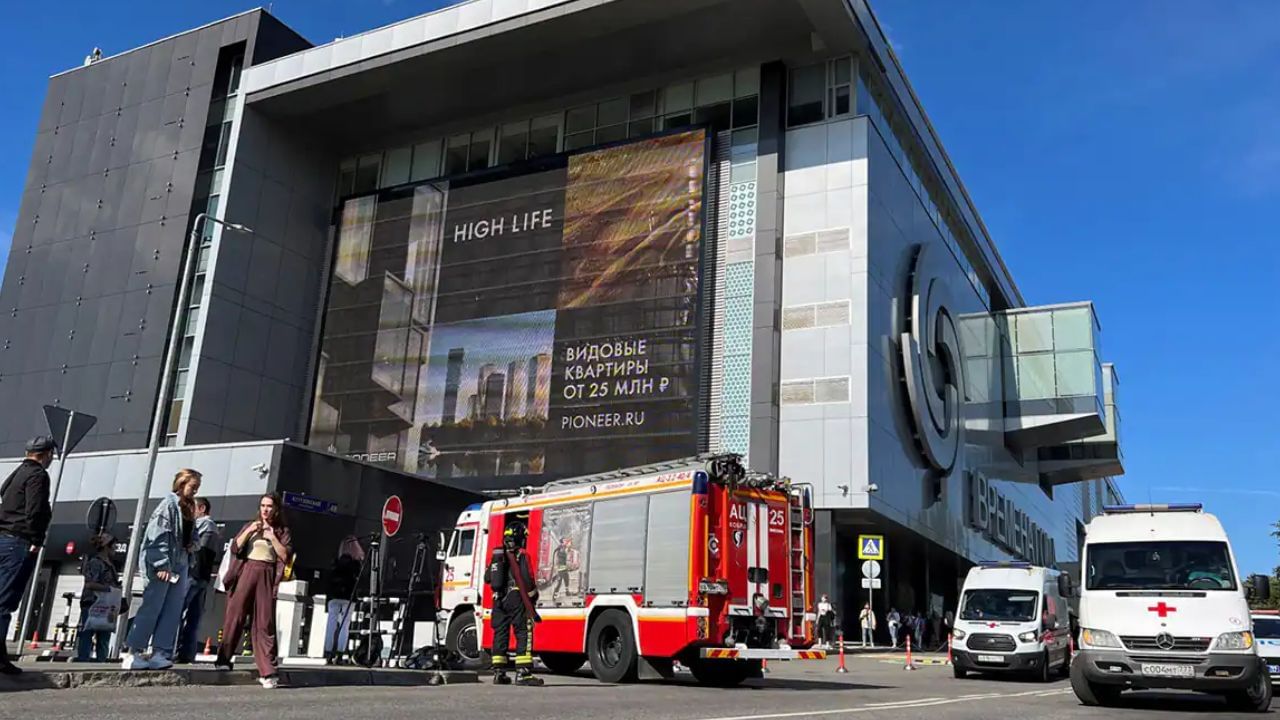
(922, 702)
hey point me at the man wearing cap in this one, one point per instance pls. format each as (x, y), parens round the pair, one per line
(24, 519)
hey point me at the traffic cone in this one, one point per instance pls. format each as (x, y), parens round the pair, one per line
(948, 649)
(35, 641)
(764, 665)
(208, 645)
(840, 639)
(910, 665)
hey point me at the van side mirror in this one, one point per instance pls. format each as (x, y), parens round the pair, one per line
(1261, 586)
(440, 555)
(1065, 587)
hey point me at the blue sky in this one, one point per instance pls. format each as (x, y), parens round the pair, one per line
(1119, 152)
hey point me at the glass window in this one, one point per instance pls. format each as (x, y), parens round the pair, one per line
(367, 172)
(842, 71)
(840, 101)
(805, 91)
(455, 156)
(346, 177)
(715, 116)
(999, 605)
(746, 111)
(712, 90)
(677, 98)
(1035, 377)
(577, 141)
(640, 128)
(224, 144)
(544, 135)
(611, 134)
(395, 171)
(746, 82)
(426, 161)
(644, 104)
(678, 120)
(478, 156)
(580, 118)
(514, 142)
(175, 416)
(1033, 332)
(1073, 329)
(463, 543)
(1076, 373)
(612, 112)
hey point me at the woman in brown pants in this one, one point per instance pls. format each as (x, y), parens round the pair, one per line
(259, 553)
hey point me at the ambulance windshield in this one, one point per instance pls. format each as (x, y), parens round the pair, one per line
(1180, 565)
(999, 605)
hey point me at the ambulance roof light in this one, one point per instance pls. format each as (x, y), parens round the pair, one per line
(1152, 508)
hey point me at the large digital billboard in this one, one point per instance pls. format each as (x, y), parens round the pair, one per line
(536, 321)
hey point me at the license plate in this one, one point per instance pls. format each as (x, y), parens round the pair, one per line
(991, 658)
(1163, 670)
(1273, 669)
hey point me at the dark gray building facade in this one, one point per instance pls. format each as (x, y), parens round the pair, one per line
(125, 153)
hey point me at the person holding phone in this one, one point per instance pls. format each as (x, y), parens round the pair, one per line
(166, 559)
(259, 554)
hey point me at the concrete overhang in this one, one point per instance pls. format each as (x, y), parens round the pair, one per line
(442, 69)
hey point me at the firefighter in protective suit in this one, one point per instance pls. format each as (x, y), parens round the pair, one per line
(514, 593)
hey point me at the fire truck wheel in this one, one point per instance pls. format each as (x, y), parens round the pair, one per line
(562, 663)
(724, 673)
(611, 647)
(463, 641)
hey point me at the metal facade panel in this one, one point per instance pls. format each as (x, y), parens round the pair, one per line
(616, 562)
(666, 571)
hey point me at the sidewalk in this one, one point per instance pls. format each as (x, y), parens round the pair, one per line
(63, 675)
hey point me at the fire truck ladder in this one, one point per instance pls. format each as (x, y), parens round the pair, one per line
(798, 563)
(666, 466)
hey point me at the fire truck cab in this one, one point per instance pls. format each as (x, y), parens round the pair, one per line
(694, 561)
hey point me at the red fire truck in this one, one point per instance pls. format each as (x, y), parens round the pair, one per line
(695, 561)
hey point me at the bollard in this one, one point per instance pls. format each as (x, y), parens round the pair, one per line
(840, 639)
(948, 649)
(35, 641)
(764, 665)
(208, 645)
(910, 665)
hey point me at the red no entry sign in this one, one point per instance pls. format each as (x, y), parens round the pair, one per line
(392, 515)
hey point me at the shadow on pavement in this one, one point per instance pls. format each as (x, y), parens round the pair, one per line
(1169, 702)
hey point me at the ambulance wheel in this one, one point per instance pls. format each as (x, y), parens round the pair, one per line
(959, 672)
(462, 639)
(1093, 694)
(562, 663)
(1257, 698)
(611, 648)
(1045, 674)
(724, 673)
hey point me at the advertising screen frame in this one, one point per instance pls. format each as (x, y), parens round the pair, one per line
(704, 297)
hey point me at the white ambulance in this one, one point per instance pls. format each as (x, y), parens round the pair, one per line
(1013, 618)
(1162, 605)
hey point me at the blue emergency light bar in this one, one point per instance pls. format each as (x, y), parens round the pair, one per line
(1023, 564)
(1158, 507)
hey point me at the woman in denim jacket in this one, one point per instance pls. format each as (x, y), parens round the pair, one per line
(166, 557)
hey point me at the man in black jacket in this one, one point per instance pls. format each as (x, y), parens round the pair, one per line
(24, 519)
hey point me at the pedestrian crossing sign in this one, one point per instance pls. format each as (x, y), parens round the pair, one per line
(870, 547)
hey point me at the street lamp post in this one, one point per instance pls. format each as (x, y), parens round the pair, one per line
(157, 420)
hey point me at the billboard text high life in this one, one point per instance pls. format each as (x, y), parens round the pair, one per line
(538, 322)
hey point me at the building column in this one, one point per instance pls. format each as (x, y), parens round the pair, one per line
(766, 350)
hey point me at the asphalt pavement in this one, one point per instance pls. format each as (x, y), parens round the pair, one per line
(876, 687)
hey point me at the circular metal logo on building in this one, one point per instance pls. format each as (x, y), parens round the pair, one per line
(1165, 641)
(932, 364)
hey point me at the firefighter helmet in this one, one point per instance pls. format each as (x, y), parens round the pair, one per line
(514, 535)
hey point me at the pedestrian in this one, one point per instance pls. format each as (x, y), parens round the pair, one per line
(867, 619)
(204, 563)
(343, 578)
(826, 621)
(514, 593)
(560, 563)
(895, 622)
(166, 565)
(259, 554)
(24, 521)
(100, 576)
(918, 629)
